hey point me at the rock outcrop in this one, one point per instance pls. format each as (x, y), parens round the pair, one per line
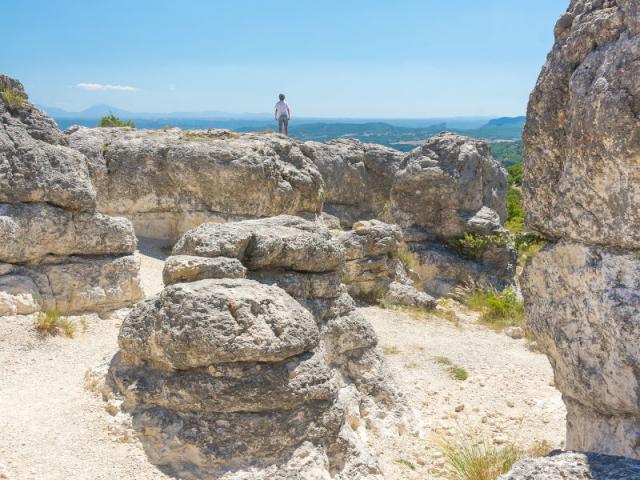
(57, 251)
(575, 466)
(168, 181)
(255, 364)
(581, 186)
(373, 270)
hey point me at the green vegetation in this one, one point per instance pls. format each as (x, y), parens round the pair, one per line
(498, 310)
(473, 459)
(50, 322)
(528, 245)
(406, 463)
(507, 154)
(514, 173)
(456, 372)
(473, 245)
(515, 210)
(112, 121)
(13, 98)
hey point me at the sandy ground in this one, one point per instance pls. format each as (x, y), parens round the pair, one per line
(53, 427)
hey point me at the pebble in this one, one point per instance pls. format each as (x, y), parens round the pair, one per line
(459, 408)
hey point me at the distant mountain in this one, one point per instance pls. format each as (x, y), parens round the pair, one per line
(97, 111)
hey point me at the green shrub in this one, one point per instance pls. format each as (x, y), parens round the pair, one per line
(515, 174)
(498, 310)
(409, 259)
(13, 98)
(112, 121)
(473, 245)
(515, 210)
(528, 245)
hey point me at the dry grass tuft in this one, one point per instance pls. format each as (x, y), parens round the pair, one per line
(472, 459)
(50, 322)
(456, 372)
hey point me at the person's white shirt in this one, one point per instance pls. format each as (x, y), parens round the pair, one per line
(282, 108)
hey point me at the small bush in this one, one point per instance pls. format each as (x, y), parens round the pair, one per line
(13, 98)
(498, 310)
(50, 323)
(471, 459)
(528, 245)
(456, 372)
(112, 121)
(474, 245)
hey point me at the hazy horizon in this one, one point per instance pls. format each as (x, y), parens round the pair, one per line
(413, 59)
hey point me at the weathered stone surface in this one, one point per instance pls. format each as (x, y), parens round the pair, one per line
(442, 186)
(233, 439)
(18, 295)
(583, 305)
(241, 378)
(67, 256)
(442, 269)
(187, 268)
(279, 242)
(191, 325)
(407, 295)
(29, 232)
(575, 466)
(370, 239)
(230, 387)
(151, 171)
(303, 285)
(582, 137)
(358, 177)
(34, 166)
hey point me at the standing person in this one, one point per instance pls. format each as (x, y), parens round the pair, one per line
(283, 115)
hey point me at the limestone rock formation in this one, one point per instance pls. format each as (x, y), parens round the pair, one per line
(168, 181)
(58, 252)
(373, 270)
(581, 186)
(582, 138)
(574, 466)
(245, 375)
(447, 187)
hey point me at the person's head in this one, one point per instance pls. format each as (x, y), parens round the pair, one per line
(281, 96)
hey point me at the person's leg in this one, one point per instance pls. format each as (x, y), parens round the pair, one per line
(286, 126)
(280, 122)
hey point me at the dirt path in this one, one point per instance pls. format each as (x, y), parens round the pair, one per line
(52, 427)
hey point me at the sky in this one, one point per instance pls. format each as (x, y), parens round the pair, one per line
(348, 58)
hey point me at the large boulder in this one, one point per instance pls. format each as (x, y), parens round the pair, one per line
(581, 187)
(441, 187)
(574, 466)
(358, 177)
(583, 305)
(245, 375)
(167, 181)
(34, 164)
(60, 253)
(582, 137)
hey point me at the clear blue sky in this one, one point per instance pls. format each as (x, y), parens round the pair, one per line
(349, 58)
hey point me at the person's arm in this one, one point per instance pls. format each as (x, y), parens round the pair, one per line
(288, 112)
(275, 113)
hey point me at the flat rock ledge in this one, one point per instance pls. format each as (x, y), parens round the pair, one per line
(253, 363)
